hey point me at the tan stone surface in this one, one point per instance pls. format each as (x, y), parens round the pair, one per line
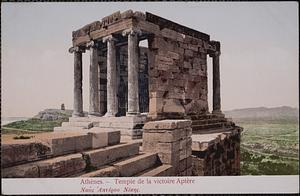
(163, 170)
(136, 164)
(21, 151)
(21, 171)
(106, 171)
(61, 166)
(167, 124)
(110, 154)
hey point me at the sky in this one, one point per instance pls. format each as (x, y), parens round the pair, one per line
(259, 63)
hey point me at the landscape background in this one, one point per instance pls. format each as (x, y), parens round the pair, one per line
(269, 142)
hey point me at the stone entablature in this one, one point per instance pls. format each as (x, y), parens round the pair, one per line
(176, 67)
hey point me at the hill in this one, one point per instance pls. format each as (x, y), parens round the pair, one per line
(276, 113)
(45, 120)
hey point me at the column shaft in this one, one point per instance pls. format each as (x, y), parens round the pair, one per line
(77, 105)
(94, 107)
(133, 71)
(112, 101)
(216, 84)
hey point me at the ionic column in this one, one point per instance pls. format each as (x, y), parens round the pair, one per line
(94, 107)
(133, 71)
(216, 83)
(77, 104)
(215, 54)
(112, 101)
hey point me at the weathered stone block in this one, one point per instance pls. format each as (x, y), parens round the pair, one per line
(172, 148)
(136, 164)
(163, 60)
(167, 124)
(163, 170)
(106, 171)
(171, 34)
(127, 14)
(155, 105)
(185, 163)
(61, 166)
(185, 143)
(85, 125)
(21, 171)
(99, 137)
(68, 128)
(188, 52)
(103, 156)
(114, 137)
(163, 136)
(185, 153)
(169, 158)
(68, 144)
(173, 106)
(20, 152)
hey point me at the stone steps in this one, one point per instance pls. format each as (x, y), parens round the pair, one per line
(85, 125)
(129, 166)
(202, 117)
(53, 144)
(55, 167)
(130, 133)
(72, 164)
(207, 121)
(137, 164)
(103, 156)
(208, 126)
(162, 170)
(57, 129)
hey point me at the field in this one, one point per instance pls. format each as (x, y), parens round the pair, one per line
(269, 147)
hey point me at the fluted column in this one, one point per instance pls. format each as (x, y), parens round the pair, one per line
(216, 84)
(215, 53)
(133, 71)
(78, 103)
(112, 101)
(94, 107)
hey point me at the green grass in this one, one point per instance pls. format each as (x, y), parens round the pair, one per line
(269, 147)
(31, 125)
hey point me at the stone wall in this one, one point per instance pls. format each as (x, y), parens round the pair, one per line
(171, 139)
(178, 75)
(216, 154)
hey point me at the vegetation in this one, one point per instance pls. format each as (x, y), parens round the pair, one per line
(269, 147)
(31, 125)
(20, 137)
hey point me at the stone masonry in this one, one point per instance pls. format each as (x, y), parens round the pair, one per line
(155, 93)
(171, 139)
(165, 81)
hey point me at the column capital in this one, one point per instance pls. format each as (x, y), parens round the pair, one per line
(76, 49)
(108, 38)
(214, 48)
(92, 44)
(132, 32)
(214, 54)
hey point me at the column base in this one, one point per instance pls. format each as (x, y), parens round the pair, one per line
(93, 114)
(133, 113)
(109, 115)
(77, 114)
(218, 113)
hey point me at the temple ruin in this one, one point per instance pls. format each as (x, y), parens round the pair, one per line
(148, 106)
